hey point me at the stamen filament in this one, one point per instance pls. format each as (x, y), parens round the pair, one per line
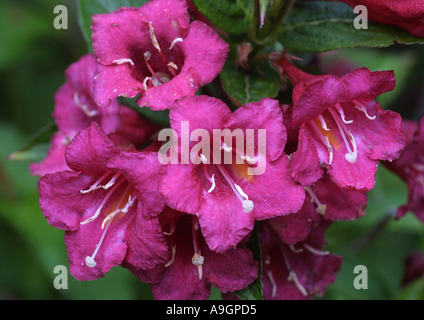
(147, 56)
(323, 123)
(324, 140)
(173, 248)
(316, 251)
(89, 260)
(174, 42)
(321, 208)
(89, 113)
(247, 204)
(363, 109)
(96, 185)
(105, 199)
(112, 181)
(342, 115)
(292, 275)
(273, 283)
(351, 156)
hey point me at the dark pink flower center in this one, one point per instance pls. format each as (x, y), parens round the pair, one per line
(151, 66)
(197, 259)
(333, 120)
(119, 198)
(218, 167)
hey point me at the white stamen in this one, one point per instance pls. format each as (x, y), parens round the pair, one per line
(117, 211)
(240, 190)
(226, 148)
(274, 285)
(350, 156)
(89, 113)
(247, 204)
(342, 115)
(173, 65)
(324, 140)
(251, 161)
(292, 247)
(96, 185)
(153, 37)
(323, 123)
(112, 181)
(330, 150)
(315, 251)
(364, 110)
(293, 277)
(122, 61)
(212, 188)
(174, 42)
(145, 82)
(105, 199)
(203, 159)
(89, 260)
(173, 257)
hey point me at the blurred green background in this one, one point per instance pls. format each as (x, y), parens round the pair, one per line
(33, 58)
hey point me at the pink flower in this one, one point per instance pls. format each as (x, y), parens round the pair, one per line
(298, 271)
(414, 267)
(75, 110)
(193, 267)
(156, 52)
(410, 167)
(341, 127)
(407, 14)
(227, 198)
(108, 205)
(324, 201)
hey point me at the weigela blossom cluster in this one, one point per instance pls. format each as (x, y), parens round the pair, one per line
(184, 227)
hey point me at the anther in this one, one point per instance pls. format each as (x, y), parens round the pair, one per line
(173, 257)
(323, 123)
(342, 115)
(212, 180)
(89, 113)
(315, 251)
(363, 109)
(174, 42)
(122, 61)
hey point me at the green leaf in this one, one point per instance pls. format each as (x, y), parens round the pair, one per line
(325, 26)
(37, 146)
(244, 87)
(414, 291)
(234, 16)
(255, 290)
(87, 8)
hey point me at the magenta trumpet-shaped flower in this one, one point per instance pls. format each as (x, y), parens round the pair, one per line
(108, 205)
(341, 127)
(217, 182)
(75, 109)
(193, 267)
(155, 52)
(410, 167)
(297, 271)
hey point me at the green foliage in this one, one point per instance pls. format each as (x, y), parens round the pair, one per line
(325, 26)
(233, 16)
